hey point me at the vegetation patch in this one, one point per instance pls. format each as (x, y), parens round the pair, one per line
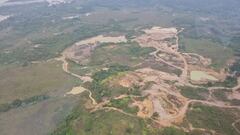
(101, 89)
(23, 82)
(172, 131)
(230, 81)
(220, 95)
(125, 53)
(194, 93)
(81, 69)
(209, 49)
(212, 118)
(123, 104)
(237, 125)
(235, 67)
(235, 102)
(82, 122)
(21, 103)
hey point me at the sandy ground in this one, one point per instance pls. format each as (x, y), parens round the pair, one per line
(145, 108)
(76, 90)
(102, 39)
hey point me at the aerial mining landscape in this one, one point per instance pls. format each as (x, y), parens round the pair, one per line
(119, 67)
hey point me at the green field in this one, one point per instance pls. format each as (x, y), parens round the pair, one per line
(99, 86)
(123, 104)
(125, 53)
(208, 49)
(34, 79)
(81, 122)
(213, 118)
(194, 93)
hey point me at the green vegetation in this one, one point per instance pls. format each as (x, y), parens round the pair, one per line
(235, 102)
(101, 89)
(81, 122)
(237, 125)
(125, 53)
(155, 115)
(221, 95)
(212, 118)
(234, 43)
(21, 103)
(81, 69)
(209, 49)
(173, 131)
(194, 93)
(123, 104)
(200, 132)
(34, 79)
(113, 70)
(135, 90)
(235, 67)
(229, 82)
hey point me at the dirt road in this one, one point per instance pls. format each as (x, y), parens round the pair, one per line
(82, 78)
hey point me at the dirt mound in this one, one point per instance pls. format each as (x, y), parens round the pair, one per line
(145, 108)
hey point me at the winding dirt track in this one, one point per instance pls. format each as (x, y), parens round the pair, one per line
(83, 78)
(185, 71)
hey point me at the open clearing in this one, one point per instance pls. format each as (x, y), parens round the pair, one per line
(76, 90)
(27, 82)
(102, 39)
(35, 79)
(200, 75)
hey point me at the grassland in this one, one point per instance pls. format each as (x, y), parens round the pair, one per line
(82, 69)
(127, 54)
(213, 118)
(21, 103)
(101, 89)
(229, 82)
(209, 49)
(194, 93)
(123, 104)
(222, 95)
(82, 122)
(35, 79)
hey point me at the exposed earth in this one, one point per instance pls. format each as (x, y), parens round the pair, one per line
(164, 104)
(119, 67)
